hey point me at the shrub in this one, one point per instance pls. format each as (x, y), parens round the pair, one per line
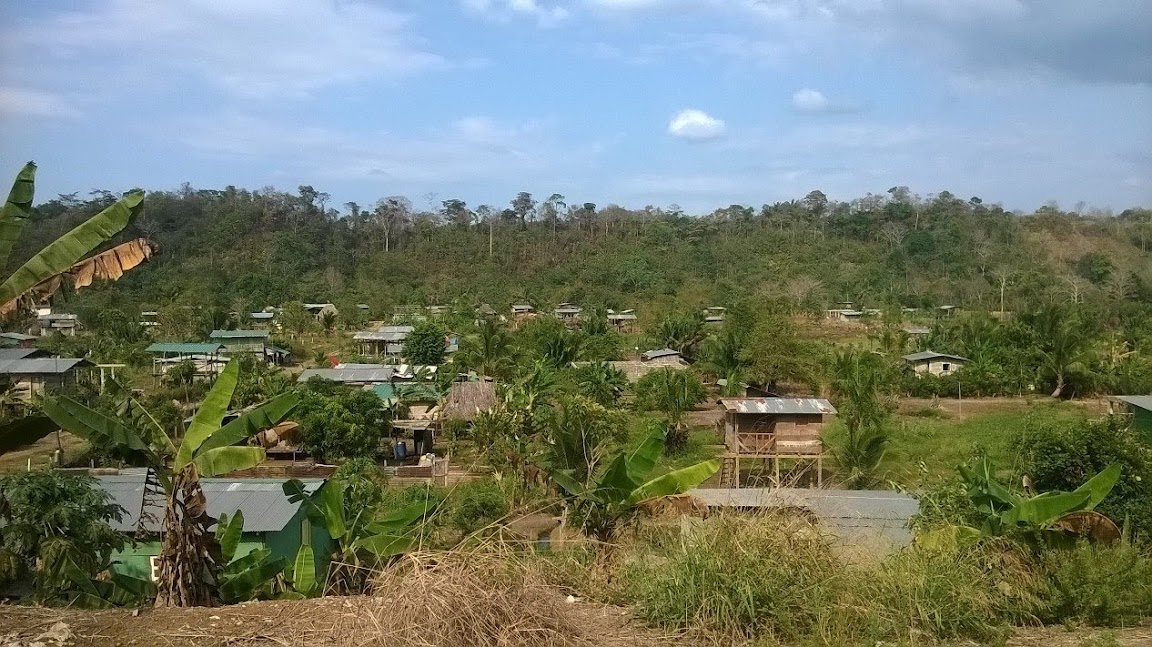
(1062, 456)
(1084, 587)
(425, 345)
(473, 505)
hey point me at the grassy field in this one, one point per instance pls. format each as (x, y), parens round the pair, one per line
(929, 442)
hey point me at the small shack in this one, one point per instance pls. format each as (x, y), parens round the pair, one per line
(915, 331)
(270, 520)
(467, 399)
(568, 312)
(623, 320)
(17, 340)
(1139, 407)
(261, 320)
(772, 429)
(522, 310)
(714, 314)
(58, 323)
(843, 314)
(241, 341)
(34, 374)
(929, 362)
(384, 341)
(662, 357)
(205, 357)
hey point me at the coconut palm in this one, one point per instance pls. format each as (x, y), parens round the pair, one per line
(861, 389)
(190, 560)
(489, 352)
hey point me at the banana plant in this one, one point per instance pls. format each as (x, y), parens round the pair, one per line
(1050, 519)
(251, 577)
(611, 499)
(190, 561)
(364, 540)
(62, 261)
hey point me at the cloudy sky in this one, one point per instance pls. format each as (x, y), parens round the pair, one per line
(701, 103)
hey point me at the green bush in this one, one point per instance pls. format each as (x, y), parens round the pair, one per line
(1104, 587)
(472, 505)
(1062, 456)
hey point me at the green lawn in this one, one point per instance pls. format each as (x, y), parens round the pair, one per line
(926, 449)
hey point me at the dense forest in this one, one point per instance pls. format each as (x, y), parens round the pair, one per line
(236, 250)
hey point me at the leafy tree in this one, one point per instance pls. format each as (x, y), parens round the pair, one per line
(776, 352)
(578, 430)
(340, 423)
(673, 392)
(52, 523)
(600, 382)
(296, 319)
(426, 344)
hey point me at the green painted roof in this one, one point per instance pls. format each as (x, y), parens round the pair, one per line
(407, 391)
(238, 334)
(184, 349)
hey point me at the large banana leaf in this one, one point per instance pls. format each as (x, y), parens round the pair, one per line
(253, 581)
(225, 460)
(130, 407)
(25, 431)
(324, 507)
(228, 533)
(212, 411)
(1100, 486)
(383, 546)
(401, 520)
(675, 482)
(97, 428)
(567, 482)
(627, 471)
(1042, 511)
(263, 417)
(64, 252)
(304, 571)
(16, 211)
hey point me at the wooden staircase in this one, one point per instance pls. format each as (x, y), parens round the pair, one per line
(728, 476)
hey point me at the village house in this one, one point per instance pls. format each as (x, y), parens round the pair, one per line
(351, 374)
(769, 430)
(384, 341)
(623, 320)
(522, 309)
(1139, 408)
(57, 323)
(714, 314)
(17, 340)
(913, 330)
(261, 320)
(649, 361)
(204, 356)
(408, 314)
(149, 319)
(843, 314)
(271, 521)
(31, 371)
(321, 310)
(930, 362)
(569, 313)
(241, 341)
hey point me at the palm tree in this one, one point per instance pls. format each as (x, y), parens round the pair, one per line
(1065, 347)
(601, 382)
(673, 392)
(190, 560)
(682, 332)
(489, 352)
(859, 384)
(724, 357)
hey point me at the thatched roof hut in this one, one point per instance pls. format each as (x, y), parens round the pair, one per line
(466, 399)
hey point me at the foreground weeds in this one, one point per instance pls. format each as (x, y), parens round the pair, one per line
(778, 580)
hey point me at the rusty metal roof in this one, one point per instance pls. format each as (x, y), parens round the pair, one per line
(783, 406)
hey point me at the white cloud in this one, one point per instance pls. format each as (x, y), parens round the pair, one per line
(253, 48)
(809, 100)
(35, 103)
(504, 10)
(695, 124)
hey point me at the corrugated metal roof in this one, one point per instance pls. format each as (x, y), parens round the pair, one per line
(1141, 401)
(185, 349)
(852, 512)
(522, 307)
(654, 354)
(265, 507)
(9, 354)
(783, 406)
(369, 335)
(18, 336)
(622, 316)
(238, 334)
(262, 316)
(916, 330)
(364, 375)
(41, 365)
(925, 355)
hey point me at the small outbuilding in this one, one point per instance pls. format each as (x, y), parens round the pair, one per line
(771, 429)
(623, 320)
(17, 340)
(241, 341)
(929, 362)
(204, 356)
(1140, 409)
(34, 374)
(383, 341)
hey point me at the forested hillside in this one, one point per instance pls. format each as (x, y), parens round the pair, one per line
(235, 250)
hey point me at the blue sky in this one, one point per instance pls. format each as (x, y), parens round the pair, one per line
(701, 103)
